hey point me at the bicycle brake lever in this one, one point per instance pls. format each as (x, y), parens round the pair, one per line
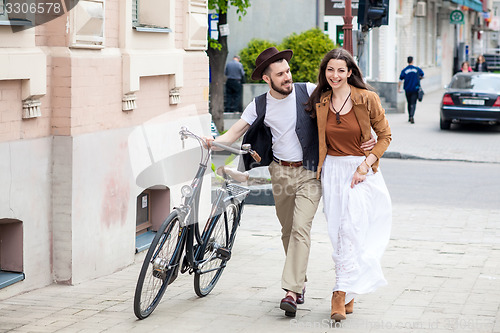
(248, 148)
(255, 155)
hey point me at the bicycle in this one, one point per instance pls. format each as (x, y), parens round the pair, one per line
(204, 254)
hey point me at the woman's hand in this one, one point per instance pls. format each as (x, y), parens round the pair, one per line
(360, 174)
(368, 145)
(357, 178)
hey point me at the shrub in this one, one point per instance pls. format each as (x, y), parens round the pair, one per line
(250, 53)
(309, 48)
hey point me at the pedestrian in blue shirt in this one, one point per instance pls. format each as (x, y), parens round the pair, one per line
(234, 89)
(411, 75)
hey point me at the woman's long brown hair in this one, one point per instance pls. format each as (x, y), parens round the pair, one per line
(356, 78)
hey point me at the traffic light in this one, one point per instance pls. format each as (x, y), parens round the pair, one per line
(373, 13)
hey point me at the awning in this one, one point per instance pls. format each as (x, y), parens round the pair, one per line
(472, 4)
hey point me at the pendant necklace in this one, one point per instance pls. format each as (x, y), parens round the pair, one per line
(337, 113)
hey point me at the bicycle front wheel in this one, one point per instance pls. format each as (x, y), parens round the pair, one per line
(216, 248)
(160, 264)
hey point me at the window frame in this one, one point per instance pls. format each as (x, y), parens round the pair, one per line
(4, 18)
(144, 27)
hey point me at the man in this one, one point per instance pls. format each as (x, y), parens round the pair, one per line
(286, 138)
(235, 76)
(411, 75)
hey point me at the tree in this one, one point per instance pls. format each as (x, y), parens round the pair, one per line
(217, 54)
(309, 48)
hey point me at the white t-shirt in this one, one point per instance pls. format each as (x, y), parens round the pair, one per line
(281, 117)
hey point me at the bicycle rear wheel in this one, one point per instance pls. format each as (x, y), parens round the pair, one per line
(217, 246)
(160, 264)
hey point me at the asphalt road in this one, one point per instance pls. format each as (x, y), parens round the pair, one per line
(443, 183)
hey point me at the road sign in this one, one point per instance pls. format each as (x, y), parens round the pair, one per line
(456, 17)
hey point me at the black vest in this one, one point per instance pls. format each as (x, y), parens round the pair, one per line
(260, 137)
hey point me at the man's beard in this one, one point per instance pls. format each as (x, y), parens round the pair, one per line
(282, 90)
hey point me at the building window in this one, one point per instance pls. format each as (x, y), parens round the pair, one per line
(143, 218)
(88, 24)
(153, 207)
(151, 15)
(8, 15)
(11, 252)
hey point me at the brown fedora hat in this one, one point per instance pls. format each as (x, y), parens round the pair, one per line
(267, 57)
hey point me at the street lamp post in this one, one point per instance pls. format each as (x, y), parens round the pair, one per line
(348, 26)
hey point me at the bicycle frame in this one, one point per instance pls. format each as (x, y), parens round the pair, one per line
(188, 211)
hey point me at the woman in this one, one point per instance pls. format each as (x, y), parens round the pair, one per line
(466, 67)
(481, 65)
(356, 200)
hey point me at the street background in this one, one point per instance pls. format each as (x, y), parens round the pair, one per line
(442, 263)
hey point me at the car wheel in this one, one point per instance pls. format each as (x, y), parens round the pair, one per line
(444, 124)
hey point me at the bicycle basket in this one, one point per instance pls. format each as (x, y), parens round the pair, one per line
(237, 192)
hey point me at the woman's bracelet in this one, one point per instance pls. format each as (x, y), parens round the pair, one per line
(361, 172)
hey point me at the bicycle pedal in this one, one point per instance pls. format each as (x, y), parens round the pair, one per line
(159, 274)
(223, 253)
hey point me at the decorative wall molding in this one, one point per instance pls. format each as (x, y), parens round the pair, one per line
(175, 96)
(28, 65)
(32, 108)
(129, 102)
(139, 63)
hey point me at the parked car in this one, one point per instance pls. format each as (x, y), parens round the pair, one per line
(471, 98)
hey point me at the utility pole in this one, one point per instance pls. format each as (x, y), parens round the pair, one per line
(348, 26)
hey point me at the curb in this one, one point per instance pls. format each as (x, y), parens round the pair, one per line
(396, 155)
(260, 195)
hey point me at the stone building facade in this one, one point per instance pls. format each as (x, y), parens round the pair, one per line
(91, 104)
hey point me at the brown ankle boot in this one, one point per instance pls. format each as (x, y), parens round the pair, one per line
(338, 306)
(349, 307)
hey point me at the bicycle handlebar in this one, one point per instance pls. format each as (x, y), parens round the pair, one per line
(184, 132)
(230, 149)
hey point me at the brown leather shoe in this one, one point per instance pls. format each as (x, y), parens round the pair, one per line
(301, 297)
(349, 307)
(289, 305)
(338, 306)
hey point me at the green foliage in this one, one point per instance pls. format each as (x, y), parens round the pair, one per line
(221, 6)
(309, 48)
(217, 177)
(250, 53)
(214, 44)
(230, 159)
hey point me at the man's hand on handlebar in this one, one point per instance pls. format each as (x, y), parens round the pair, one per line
(208, 142)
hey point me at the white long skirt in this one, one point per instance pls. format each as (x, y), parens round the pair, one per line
(359, 224)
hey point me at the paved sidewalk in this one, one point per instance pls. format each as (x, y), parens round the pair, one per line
(444, 279)
(442, 265)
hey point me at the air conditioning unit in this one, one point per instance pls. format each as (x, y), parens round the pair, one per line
(421, 9)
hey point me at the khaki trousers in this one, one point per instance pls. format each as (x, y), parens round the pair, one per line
(296, 194)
